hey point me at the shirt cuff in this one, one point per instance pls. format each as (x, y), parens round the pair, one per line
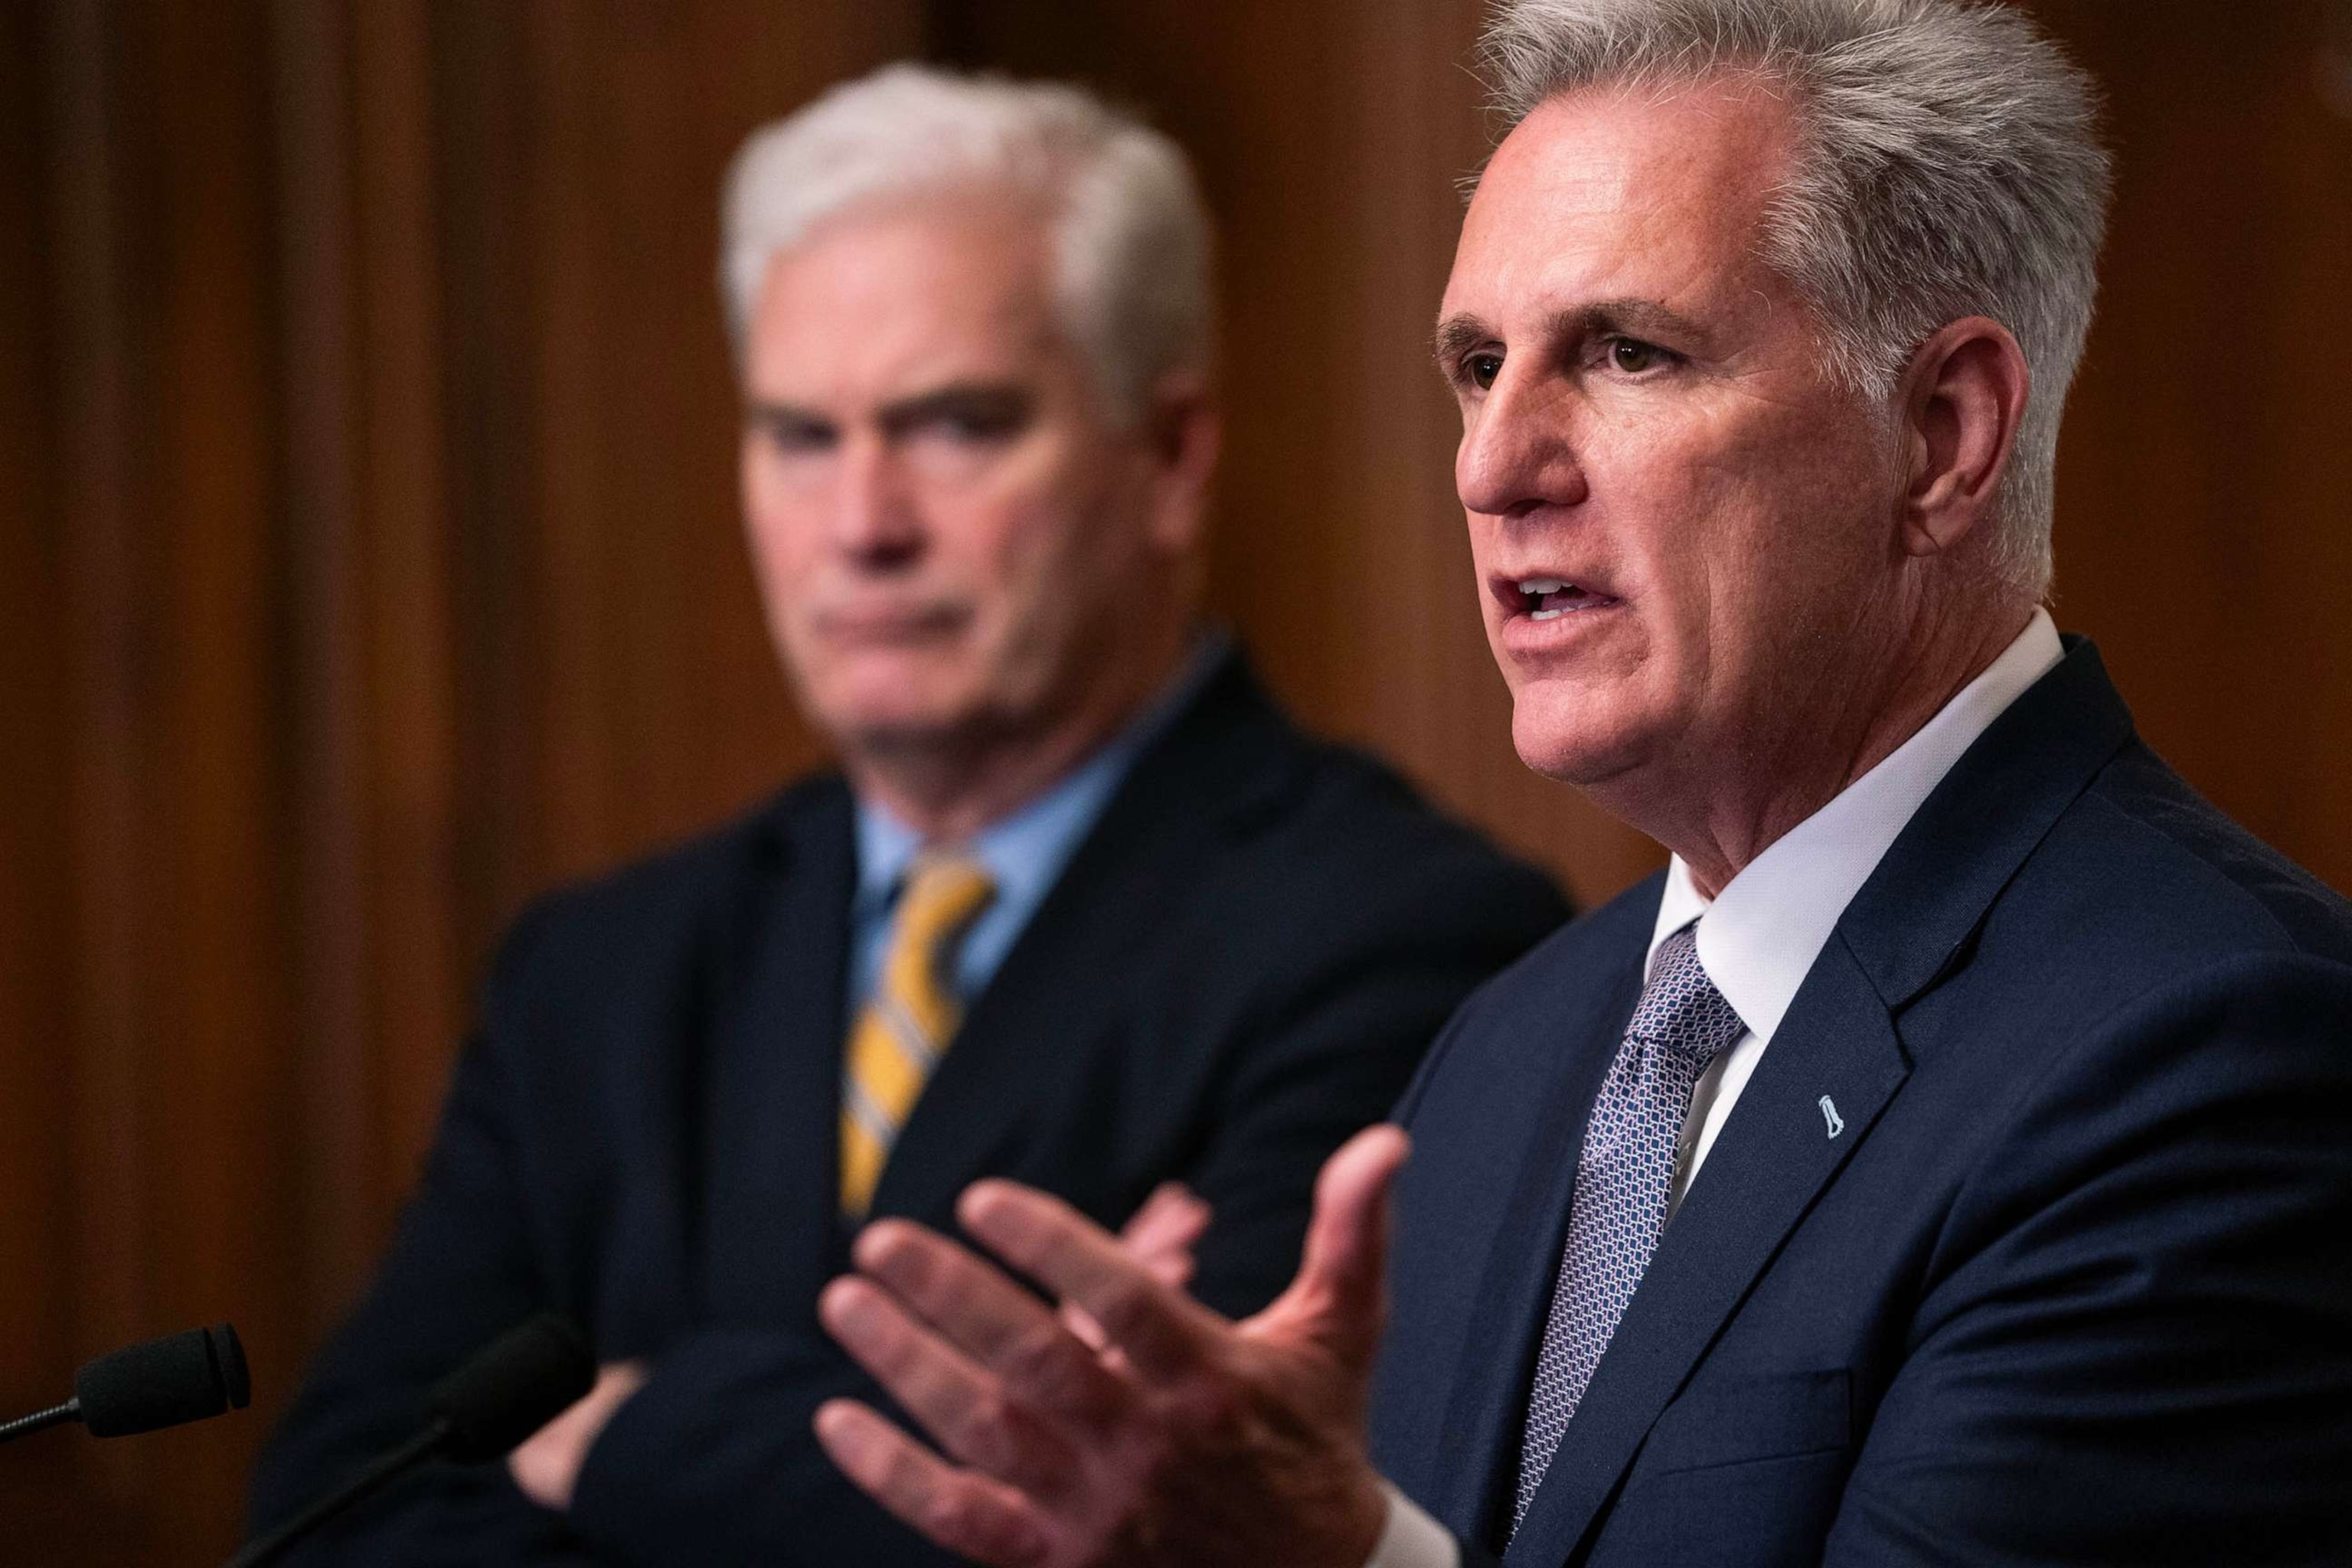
(1411, 1539)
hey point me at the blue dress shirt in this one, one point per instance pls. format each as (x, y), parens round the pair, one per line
(1023, 852)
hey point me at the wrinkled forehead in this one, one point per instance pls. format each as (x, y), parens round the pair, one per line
(1627, 192)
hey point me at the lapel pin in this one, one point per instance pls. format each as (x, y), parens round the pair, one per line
(1830, 1115)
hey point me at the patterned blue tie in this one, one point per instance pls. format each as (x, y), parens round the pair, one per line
(1623, 1178)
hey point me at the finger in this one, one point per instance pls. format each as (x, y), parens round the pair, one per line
(546, 1466)
(1173, 1217)
(1163, 1231)
(962, 1406)
(1339, 1295)
(543, 1466)
(1164, 1332)
(1084, 1329)
(981, 1519)
(995, 1322)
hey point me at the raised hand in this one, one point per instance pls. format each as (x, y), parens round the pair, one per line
(1187, 1439)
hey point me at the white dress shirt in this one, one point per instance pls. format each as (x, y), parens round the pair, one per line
(1759, 936)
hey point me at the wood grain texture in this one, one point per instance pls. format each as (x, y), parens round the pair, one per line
(372, 559)
(2205, 500)
(370, 565)
(38, 1313)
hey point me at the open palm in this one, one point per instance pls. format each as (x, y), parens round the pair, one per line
(1181, 1438)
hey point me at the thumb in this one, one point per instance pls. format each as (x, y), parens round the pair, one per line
(1339, 1299)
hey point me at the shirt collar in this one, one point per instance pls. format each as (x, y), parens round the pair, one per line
(1760, 935)
(1024, 850)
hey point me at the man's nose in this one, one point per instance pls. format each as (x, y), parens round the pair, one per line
(875, 516)
(1520, 449)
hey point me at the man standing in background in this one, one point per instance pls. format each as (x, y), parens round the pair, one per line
(1082, 908)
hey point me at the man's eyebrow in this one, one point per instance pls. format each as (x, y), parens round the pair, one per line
(1457, 335)
(1006, 402)
(986, 399)
(787, 422)
(1636, 316)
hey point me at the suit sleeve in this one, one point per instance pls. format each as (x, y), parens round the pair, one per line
(460, 1271)
(1339, 1043)
(714, 1461)
(2136, 1344)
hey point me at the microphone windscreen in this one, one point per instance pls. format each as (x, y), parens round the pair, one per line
(512, 1387)
(181, 1377)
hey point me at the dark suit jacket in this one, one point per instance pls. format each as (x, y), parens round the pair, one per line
(1240, 965)
(2072, 1285)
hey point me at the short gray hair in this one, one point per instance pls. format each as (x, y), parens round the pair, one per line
(1131, 242)
(1949, 166)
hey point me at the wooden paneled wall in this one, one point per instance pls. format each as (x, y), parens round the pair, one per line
(2205, 500)
(366, 441)
(371, 558)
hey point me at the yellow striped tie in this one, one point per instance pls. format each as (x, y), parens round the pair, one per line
(905, 1026)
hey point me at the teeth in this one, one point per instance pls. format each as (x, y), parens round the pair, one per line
(1546, 615)
(1536, 587)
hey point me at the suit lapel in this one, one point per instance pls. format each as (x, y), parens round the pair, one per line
(1473, 1472)
(1183, 800)
(773, 1083)
(1911, 923)
(1832, 1067)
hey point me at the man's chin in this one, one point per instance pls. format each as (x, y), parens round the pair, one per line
(891, 698)
(1582, 745)
(900, 730)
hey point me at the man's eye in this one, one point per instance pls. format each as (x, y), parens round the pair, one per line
(796, 436)
(978, 428)
(975, 419)
(1633, 357)
(1483, 369)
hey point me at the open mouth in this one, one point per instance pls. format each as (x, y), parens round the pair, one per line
(1549, 598)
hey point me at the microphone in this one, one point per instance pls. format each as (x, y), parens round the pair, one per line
(509, 1390)
(143, 1387)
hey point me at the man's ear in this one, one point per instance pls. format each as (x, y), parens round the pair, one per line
(1965, 393)
(1186, 432)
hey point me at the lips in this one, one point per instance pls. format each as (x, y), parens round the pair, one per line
(1548, 598)
(891, 623)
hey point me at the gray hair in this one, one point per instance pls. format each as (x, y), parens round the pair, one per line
(1949, 166)
(1131, 237)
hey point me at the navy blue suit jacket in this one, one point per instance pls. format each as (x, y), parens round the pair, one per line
(1241, 964)
(2072, 1283)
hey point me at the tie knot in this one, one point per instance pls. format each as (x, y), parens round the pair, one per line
(943, 892)
(1681, 1011)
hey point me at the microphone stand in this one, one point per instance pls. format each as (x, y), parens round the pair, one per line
(507, 1390)
(273, 1546)
(56, 1416)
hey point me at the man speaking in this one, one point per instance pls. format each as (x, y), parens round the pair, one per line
(1082, 907)
(1949, 1160)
